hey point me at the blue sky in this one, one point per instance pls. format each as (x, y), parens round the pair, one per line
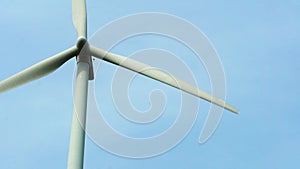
(257, 42)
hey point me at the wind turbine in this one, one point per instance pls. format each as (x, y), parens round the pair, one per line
(83, 53)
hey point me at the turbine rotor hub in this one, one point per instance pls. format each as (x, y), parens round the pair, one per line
(81, 42)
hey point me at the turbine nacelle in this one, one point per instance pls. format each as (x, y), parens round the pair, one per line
(84, 54)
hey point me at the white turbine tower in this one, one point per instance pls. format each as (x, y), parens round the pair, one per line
(83, 52)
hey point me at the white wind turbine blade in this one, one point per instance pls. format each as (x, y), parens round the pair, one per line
(79, 17)
(38, 70)
(76, 149)
(159, 75)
